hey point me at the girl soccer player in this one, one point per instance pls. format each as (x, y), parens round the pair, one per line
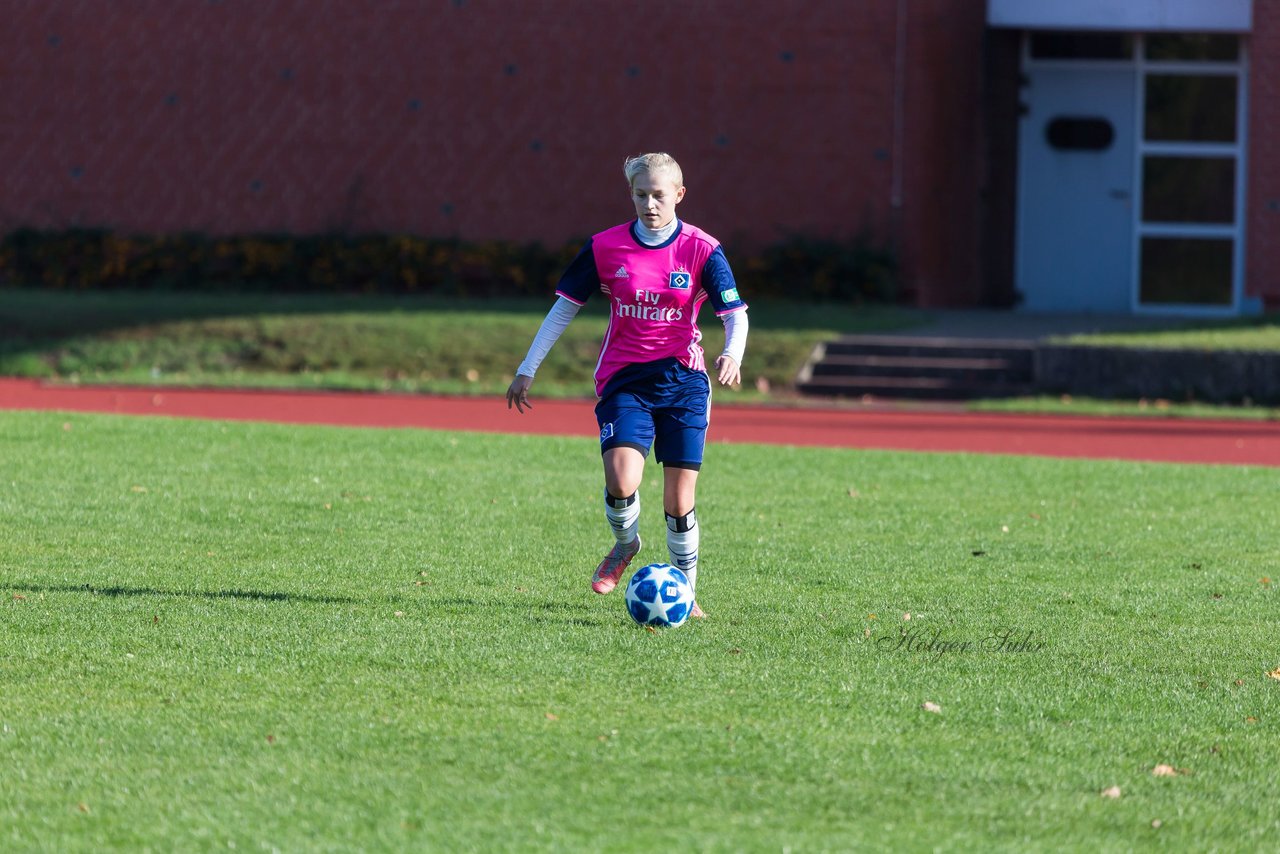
(651, 379)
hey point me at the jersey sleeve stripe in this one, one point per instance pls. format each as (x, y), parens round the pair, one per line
(571, 299)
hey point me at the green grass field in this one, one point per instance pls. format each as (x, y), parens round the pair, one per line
(269, 637)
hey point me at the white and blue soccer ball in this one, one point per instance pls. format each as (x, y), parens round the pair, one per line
(659, 595)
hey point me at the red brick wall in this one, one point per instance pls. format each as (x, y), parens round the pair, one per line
(510, 118)
(495, 118)
(943, 163)
(1262, 263)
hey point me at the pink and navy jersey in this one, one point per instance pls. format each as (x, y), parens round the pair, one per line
(655, 292)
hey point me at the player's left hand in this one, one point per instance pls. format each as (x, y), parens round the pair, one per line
(727, 371)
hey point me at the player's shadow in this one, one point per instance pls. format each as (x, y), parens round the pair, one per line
(117, 591)
(548, 612)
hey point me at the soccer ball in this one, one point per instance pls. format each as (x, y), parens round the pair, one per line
(659, 595)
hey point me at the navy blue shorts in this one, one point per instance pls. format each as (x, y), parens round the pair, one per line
(660, 404)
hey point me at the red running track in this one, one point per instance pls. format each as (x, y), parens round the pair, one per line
(1159, 439)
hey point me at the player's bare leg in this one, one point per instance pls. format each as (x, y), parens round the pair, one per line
(623, 471)
(679, 486)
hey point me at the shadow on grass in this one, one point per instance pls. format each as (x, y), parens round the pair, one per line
(547, 612)
(117, 591)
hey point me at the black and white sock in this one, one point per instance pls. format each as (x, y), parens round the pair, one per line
(623, 515)
(682, 544)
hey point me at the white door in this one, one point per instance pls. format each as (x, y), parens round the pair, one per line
(1076, 155)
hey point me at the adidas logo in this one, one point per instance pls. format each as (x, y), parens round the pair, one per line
(621, 274)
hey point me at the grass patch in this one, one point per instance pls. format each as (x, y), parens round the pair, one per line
(385, 343)
(334, 639)
(1252, 333)
(1069, 405)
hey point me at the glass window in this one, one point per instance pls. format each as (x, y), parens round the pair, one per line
(1068, 45)
(1189, 189)
(1186, 271)
(1080, 134)
(1191, 108)
(1193, 47)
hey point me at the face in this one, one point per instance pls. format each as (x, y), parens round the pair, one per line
(655, 196)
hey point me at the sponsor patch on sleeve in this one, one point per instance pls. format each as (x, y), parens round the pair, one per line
(730, 295)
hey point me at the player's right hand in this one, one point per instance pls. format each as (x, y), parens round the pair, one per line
(518, 393)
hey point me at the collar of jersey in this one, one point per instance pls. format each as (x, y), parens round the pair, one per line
(667, 242)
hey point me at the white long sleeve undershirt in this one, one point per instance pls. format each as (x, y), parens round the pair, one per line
(556, 322)
(735, 335)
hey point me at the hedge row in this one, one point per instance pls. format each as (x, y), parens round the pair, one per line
(83, 259)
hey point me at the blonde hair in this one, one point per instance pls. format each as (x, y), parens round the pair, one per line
(649, 164)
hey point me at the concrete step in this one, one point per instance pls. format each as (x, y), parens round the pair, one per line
(933, 366)
(920, 368)
(1020, 353)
